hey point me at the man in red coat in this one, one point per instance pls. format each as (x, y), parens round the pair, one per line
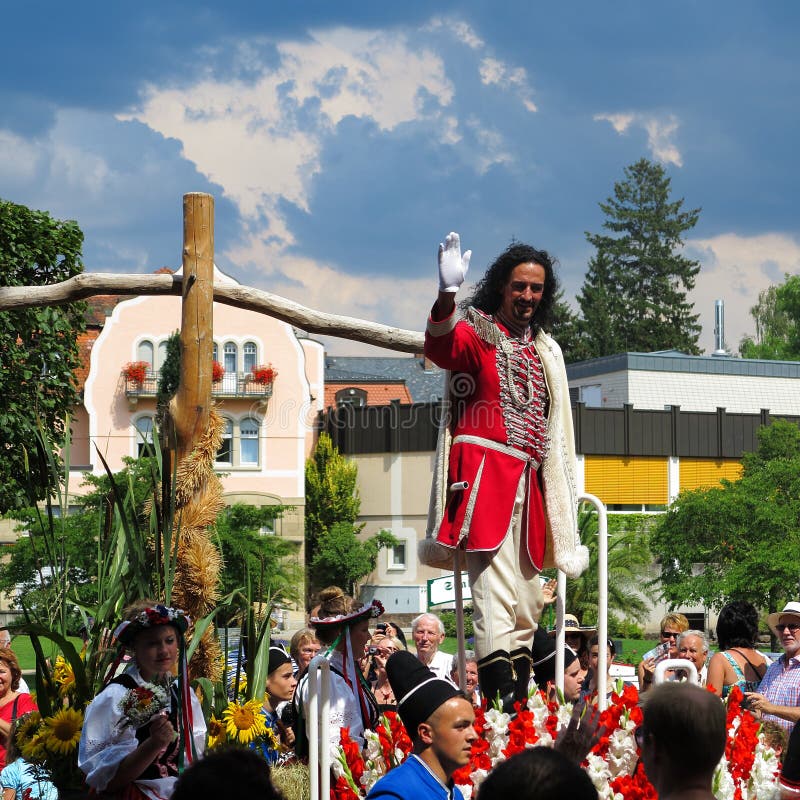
(511, 502)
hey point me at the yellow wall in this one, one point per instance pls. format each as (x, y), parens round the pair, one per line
(630, 481)
(697, 472)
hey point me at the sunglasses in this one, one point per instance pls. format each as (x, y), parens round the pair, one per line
(789, 626)
(670, 635)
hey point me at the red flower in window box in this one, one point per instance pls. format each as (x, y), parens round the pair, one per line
(136, 371)
(217, 371)
(264, 374)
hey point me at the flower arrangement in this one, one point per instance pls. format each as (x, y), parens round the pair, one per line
(136, 371)
(141, 703)
(748, 770)
(217, 371)
(264, 374)
(50, 744)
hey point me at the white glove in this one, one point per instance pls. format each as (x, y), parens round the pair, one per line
(452, 265)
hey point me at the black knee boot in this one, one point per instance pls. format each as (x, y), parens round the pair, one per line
(521, 666)
(497, 678)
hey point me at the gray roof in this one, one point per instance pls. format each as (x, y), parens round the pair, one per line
(674, 361)
(424, 385)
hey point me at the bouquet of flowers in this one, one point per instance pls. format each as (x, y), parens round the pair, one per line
(242, 723)
(50, 744)
(141, 703)
(748, 770)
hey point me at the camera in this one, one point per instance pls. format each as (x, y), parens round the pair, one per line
(381, 626)
(372, 650)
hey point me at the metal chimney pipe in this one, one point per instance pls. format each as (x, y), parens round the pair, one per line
(719, 329)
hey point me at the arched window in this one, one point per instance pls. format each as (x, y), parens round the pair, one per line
(230, 354)
(250, 352)
(161, 355)
(248, 443)
(144, 351)
(225, 452)
(214, 352)
(144, 436)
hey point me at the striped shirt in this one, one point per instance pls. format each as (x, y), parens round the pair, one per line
(781, 686)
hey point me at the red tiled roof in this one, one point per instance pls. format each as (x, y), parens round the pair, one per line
(378, 393)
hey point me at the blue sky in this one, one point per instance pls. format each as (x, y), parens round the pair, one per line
(342, 141)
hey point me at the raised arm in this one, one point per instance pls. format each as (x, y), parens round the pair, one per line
(453, 268)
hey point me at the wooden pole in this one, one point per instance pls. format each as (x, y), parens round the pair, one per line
(192, 402)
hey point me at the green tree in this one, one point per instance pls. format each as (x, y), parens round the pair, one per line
(777, 318)
(334, 552)
(740, 540)
(38, 347)
(634, 297)
(268, 561)
(565, 330)
(342, 559)
(628, 559)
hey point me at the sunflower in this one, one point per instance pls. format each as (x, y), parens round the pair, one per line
(244, 723)
(62, 731)
(27, 726)
(34, 749)
(216, 732)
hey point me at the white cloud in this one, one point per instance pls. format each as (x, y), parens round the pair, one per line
(494, 72)
(492, 148)
(735, 269)
(261, 141)
(18, 158)
(659, 128)
(460, 30)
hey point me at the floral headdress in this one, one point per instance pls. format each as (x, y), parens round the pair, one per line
(370, 610)
(150, 618)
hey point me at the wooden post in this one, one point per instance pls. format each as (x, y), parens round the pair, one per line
(192, 401)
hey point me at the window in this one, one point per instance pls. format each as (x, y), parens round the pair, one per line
(144, 436)
(162, 354)
(397, 557)
(229, 355)
(225, 452)
(351, 397)
(241, 447)
(250, 352)
(144, 352)
(214, 352)
(248, 444)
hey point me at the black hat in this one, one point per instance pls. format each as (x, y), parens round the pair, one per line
(418, 690)
(277, 658)
(544, 658)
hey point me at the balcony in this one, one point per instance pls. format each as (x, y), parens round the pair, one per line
(233, 386)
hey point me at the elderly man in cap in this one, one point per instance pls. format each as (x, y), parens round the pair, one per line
(778, 695)
(439, 719)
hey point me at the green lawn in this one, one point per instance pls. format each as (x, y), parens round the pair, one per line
(23, 650)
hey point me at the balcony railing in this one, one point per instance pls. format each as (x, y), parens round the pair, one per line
(233, 385)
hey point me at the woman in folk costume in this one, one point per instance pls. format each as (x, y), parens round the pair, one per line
(342, 626)
(145, 725)
(509, 499)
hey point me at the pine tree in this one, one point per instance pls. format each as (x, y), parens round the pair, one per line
(634, 297)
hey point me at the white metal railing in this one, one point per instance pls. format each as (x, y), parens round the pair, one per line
(317, 727)
(602, 606)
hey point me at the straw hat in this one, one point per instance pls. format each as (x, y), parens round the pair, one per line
(791, 609)
(571, 625)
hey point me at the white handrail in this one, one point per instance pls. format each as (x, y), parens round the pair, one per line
(318, 725)
(602, 606)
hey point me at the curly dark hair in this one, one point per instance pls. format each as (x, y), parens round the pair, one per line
(489, 289)
(737, 625)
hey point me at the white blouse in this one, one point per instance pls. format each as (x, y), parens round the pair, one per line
(105, 741)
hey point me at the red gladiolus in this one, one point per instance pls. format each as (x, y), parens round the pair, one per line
(352, 755)
(634, 787)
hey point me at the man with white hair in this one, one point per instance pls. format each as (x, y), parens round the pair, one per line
(693, 646)
(778, 695)
(427, 631)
